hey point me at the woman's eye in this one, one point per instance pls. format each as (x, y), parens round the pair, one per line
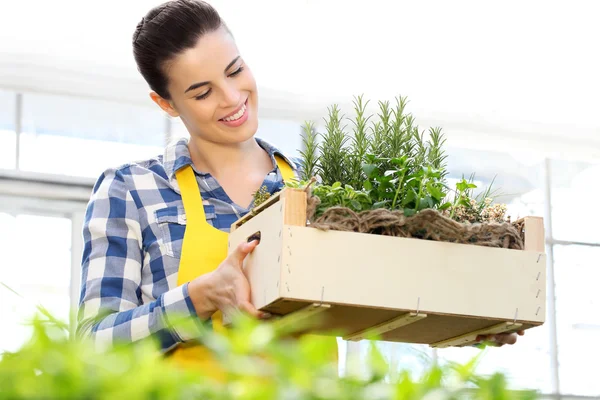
(237, 71)
(203, 95)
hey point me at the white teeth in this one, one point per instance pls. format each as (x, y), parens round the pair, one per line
(237, 115)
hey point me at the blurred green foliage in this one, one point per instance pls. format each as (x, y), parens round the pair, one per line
(261, 362)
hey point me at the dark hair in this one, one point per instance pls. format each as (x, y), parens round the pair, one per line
(166, 31)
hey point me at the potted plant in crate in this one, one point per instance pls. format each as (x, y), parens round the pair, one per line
(374, 240)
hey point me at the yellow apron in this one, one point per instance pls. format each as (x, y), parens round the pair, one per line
(204, 248)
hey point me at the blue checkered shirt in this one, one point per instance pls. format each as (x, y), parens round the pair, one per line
(133, 233)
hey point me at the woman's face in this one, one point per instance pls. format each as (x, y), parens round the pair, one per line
(214, 91)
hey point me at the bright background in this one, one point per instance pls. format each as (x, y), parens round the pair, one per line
(513, 84)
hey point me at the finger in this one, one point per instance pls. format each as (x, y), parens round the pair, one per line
(484, 338)
(521, 333)
(506, 338)
(242, 251)
(249, 309)
(247, 306)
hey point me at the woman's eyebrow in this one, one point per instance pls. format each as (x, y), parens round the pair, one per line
(200, 84)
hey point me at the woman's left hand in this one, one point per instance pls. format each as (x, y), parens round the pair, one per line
(500, 339)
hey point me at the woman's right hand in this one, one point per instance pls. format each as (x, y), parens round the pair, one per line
(225, 289)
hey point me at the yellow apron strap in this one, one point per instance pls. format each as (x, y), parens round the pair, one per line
(190, 196)
(190, 193)
(286, 170)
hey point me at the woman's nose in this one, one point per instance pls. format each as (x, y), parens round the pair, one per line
(231, 96)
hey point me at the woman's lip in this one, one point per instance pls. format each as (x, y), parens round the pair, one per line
(236, 110)
(238, 122)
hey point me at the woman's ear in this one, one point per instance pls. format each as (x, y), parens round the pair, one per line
(166, 105)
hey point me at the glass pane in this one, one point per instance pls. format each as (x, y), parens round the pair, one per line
(82, 137)
(574, 185)
(285, 135)
(526, 364)
(399, 356)
(40, 277)
(8, 137)
(577, 273)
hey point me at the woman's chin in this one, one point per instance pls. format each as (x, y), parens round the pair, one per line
(243, 133)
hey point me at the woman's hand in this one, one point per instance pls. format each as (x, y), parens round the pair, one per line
(225, 289)
(501, 339)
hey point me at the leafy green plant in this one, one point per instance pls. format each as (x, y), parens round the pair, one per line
(334, 158)
(360, 143)
(390, 162)
(261, 196)
(259, 359)
(382, 133)
(468, 207)
(399, 131)
(310, 151)
(403, 187)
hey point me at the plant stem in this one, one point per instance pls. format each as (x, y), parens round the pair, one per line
(418, 203)
(400, 184)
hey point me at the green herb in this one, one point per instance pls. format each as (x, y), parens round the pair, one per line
(409, 173)
(337, 195)
(360, 143)
(261, 196)
(310, 151)
(435, 152)
(467, 207)
(382, 147)
(334, 154)
(390, 162)
(400, 129)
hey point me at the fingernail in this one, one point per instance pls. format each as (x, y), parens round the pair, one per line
(265, 316)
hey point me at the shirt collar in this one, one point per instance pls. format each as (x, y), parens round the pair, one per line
(273, 151)
(177, 156)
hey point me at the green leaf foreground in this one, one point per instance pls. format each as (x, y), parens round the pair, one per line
(261, 363)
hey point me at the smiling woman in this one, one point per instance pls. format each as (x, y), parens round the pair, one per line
(156, 231)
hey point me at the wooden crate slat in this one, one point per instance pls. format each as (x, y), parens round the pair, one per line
(387, 326)
(301, 317)
(469, 338)
(534, 234)
(294, 212)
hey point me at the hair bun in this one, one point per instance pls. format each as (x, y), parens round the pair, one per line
(138, 29)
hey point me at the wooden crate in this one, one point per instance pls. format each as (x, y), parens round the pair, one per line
(402, 290)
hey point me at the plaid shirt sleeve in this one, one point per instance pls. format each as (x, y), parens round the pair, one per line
(111, 308)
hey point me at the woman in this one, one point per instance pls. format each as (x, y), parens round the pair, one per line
(156, 231)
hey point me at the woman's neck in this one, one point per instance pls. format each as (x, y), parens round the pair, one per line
(220, 159)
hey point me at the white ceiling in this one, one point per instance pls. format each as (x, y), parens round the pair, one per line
(509, 74)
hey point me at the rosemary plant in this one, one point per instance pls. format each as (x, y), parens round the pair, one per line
(334, 153)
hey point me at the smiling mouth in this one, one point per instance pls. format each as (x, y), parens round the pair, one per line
(239, 113)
